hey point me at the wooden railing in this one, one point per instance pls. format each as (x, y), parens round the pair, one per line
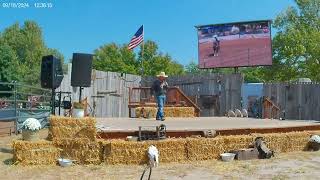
(270, 109)
(141, 97)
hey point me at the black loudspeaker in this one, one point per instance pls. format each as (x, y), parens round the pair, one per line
(51, 72)
(81, 70)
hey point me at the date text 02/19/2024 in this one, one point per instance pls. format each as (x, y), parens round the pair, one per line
(24, 5)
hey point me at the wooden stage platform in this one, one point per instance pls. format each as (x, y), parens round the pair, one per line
(184, 127)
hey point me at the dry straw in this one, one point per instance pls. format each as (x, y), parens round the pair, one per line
(168, 112)
(66, 127)
(82, 150)
(35, 153)
(76, 139)
(127, 152)
(190, 149)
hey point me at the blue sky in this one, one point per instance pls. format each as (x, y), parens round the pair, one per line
(84, 25)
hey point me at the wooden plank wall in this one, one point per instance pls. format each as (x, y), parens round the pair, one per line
(299, 100)
(110, 85)
(227, 87)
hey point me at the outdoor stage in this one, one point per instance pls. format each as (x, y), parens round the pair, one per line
(184, 127)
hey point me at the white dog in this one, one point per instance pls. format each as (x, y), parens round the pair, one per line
(153, 155)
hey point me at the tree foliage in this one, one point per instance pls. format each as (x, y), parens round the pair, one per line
(295, 47)
(296, 44)
(117, 58)
(22, 48)
(8, 66)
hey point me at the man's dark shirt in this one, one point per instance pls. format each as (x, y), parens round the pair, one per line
(157, 89)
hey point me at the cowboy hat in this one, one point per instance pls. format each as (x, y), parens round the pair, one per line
(162, 74)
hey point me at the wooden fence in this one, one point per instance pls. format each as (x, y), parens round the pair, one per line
(296, 100)
(215, 94)
(108, 95)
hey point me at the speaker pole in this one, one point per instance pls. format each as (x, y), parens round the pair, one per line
(80, 94)
(53, 106)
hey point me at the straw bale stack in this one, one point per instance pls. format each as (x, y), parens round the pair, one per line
(129, 152)
(143, 112)
(67, 127)
(82, 150)
(179, 111)
(287, 142)
(168, 112)
(35, 152)
(77, 138)
(211, 148)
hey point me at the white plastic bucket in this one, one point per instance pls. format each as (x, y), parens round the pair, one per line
(227, 156)
(78, 113)
(65, 162)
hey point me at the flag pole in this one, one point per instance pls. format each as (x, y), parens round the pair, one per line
(142, 50)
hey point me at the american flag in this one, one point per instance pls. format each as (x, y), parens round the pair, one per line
(136, 39)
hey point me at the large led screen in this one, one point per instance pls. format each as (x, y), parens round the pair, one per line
(235, 44)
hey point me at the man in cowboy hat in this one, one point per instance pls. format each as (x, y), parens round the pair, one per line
(159, 89)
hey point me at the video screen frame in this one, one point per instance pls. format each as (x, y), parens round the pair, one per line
(217, 27)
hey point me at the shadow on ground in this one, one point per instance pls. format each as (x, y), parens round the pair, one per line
(6, 150)
(8, 161)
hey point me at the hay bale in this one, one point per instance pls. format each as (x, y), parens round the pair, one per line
(71, 121)
(287, 142)
(60, 132)
(67, 127)
(82, 150)
(168, 112)
(127, 152)
(179, 111)
(211, 148)
(144, 112)
(35, 153)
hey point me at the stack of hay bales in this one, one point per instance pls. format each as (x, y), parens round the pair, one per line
(211, 148)
(77, 138)
(129, 152)
(144, 112)
(191, 149)
(35, 152)
(179, 111)
(287, 142)
(168, 112)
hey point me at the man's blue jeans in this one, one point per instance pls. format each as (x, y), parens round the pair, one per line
(161, 101)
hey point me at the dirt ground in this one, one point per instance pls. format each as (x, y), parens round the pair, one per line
(297, 165)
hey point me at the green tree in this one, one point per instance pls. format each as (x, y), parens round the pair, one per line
(296, 44)
(154, 61)
(8, 66)
(192, 68)
(252, 74)
(115, 58)
(28, 46)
